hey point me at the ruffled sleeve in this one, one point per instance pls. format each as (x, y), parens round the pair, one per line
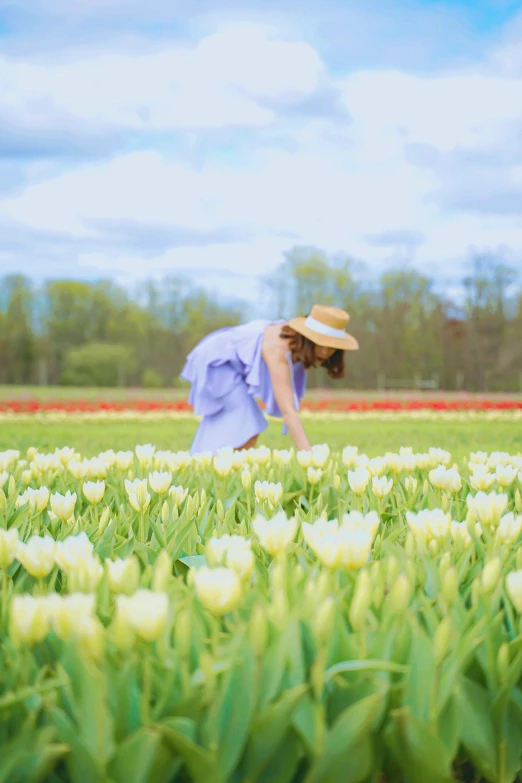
(212, 370)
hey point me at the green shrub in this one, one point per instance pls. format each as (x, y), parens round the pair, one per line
(151, 379)
(97, 364)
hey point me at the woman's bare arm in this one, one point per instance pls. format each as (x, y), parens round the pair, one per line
(277, 364)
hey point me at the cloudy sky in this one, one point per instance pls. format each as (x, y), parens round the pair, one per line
(204, 137)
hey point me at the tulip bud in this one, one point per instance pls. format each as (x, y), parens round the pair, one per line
(409, 544)
(361, 600)
(441, 640)
(190, 507)
(165, 510)
(246, 479)
(124, 575)
(27, 477)
(392, 569)
(258, 630)
(491, 575)
(104, 520)
(319, 504)
(11, 487)
(28, 620)
(8, 546)
(323, 621)
(337, 482)
(425, 486)
(162, 572)
(518, 501)
(399, 596)
(503, 662)
(220, 511)
(445, 564)
(206, 664)
(450, 585)
(410, 484)
(183, 633)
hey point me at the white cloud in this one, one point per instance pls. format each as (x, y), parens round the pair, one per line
(211, 85)
(459, 109)
(338, 184)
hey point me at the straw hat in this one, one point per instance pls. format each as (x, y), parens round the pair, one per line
(326, 326)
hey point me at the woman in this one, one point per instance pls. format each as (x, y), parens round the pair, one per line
(267, 360)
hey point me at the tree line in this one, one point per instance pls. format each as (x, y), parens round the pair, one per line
(100, 334)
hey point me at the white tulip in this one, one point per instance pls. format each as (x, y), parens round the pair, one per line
(381, 486)
(349, 456)
(218, 589)
(314, 475)
(124, 459)
(358, 479)
(145, 613)
(37, 555)
(487, 508)
(37, 499)
(506, 474)
(160, 482)
(124, 575)
(94, 491)
(377, 466)
(8, 546)
(72, 550)
(304, 458)
(320, 455)
(145, 453)
(63, 505)
(274, 534)
(508, 529)
(178, 494)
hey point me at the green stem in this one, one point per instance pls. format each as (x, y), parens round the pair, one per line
(215, 636)
(141, 533)
(4, 595)
(319, 728)
(433, 701)
(502, 762)
(145, 695)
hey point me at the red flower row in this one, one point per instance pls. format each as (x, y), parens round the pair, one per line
(325, 404)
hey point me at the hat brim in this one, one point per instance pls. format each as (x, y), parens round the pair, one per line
(348, 343)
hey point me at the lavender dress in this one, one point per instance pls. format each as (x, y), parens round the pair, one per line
(227, 371)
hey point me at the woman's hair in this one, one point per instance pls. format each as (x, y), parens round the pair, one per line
(303, 350)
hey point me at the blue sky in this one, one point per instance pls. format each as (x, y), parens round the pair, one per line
(206, 138)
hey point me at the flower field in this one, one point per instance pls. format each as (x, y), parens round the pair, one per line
(260, 616)
(332, 405)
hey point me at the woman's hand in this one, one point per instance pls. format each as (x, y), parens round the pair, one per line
(279, 370)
